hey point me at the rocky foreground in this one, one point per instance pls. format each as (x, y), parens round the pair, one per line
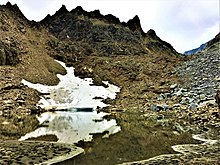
(196, 108)
(165, 97)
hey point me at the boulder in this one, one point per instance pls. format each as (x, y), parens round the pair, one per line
(8, 54)
(217, 98)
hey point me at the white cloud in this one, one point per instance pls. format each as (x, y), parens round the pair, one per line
(187, 24)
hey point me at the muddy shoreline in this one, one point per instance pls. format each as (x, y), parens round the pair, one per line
(145, 133)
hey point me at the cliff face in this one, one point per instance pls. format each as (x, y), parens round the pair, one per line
(103, 34)
(22, 43)
(11, 21)
(75, 33)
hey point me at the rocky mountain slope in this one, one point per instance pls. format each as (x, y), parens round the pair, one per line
(196, 50)
(102, 35)
(22, 55)
(148, 70)
(203, 46)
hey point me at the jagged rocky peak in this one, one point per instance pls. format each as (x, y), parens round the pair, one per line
(135, 24)
(78, 10)
(95, 13)
(112, 19)
(97, 33)
(151, 33)
(157, 43)
(14, 8)
(104, 34)
(62, 10)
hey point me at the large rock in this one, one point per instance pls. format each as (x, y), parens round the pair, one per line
(217, 98)
(8, 55)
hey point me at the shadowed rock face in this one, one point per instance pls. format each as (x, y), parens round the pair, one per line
(9, 47)
(103, 34)
(217, 98)
(135, 25)
(78, 32)
(8, 55)
(214, 41)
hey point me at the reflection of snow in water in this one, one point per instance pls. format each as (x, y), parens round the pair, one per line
(72, 93)
(71, 127)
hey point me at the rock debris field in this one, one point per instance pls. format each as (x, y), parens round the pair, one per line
(15, 152)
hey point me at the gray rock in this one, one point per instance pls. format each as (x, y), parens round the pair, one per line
(159, 107)
(173, 86)
(193, 106)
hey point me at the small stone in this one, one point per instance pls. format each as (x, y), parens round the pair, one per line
(193, 106)
(202, 96)
(173, 86)
(184, 101)
(160, 97)
(183, 107)
(217, 78)
(6, 157)
(154, 108)
(179, 93)
(5, 123)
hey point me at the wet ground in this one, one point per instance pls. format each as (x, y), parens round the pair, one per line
(145, 133)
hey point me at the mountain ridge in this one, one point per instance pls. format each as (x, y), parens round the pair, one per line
(153, 107)
(204, 46)
(94, 29)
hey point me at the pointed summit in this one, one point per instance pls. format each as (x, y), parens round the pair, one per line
(151, 33)
(78, 10)
(62, 10)
(15, 9)
(135, 24)
(12, 7)
(8, 4)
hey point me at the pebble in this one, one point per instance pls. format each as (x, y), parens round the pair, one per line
(173, 86)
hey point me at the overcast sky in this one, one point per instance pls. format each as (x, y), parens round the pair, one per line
(185, 24)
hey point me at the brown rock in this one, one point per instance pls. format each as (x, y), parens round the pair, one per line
(217, 98)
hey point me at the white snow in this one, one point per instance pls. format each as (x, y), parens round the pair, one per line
(73, 92)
